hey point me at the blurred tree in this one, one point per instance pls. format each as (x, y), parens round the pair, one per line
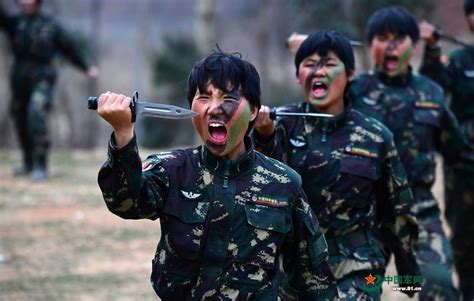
(170, 68)
(350, 17)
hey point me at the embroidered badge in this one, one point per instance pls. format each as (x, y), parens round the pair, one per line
(269, 200)
(427, 105)
(191, 195)
(360, 151)
(369, 101)
(469, 73)
(297, 143)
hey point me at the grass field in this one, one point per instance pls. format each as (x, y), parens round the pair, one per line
(59, 242)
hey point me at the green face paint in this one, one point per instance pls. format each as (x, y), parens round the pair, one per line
(332, 74)
(403, 60)
(237, 129)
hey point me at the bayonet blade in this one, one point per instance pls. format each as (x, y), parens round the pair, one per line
(163, 111)
(274, 113)
(150, 109)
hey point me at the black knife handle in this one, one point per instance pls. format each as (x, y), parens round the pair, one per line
(273, 113)
(93, 101)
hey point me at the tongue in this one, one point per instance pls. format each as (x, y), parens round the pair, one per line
(319, 92)
(218, 133)
(391, 64)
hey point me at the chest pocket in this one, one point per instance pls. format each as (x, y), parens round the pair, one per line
(427, 118)
(297, 151)
(267, 226)
(184, 222)
(357, 177)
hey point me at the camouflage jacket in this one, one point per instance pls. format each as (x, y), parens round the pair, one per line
(226, 226)
(35, 41)
(413, 108)
(354, 180)
(457, 79)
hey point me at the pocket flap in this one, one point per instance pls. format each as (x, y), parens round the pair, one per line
(188, 206)
(428, 115)
(362, 167)
(267, 218)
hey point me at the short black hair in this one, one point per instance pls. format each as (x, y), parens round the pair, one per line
(321, 42)
(394, 19)
(227, 72)
(468, 7)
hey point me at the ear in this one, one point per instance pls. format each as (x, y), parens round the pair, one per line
(253, 114)
(415, 47)
(350, 76)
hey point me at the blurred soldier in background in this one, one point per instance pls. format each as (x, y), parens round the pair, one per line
(35, 40)
(413, 108)
(456, 76)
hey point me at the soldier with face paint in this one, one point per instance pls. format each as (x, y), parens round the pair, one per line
(350, 168)
(413, 108)
(456, 76)
(231, 218)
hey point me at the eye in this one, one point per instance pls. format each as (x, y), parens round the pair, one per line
(231, 99)
(202, 98)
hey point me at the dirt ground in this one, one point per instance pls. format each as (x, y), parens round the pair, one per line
(59, 242)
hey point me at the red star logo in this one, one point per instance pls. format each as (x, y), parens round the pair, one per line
(370, 279)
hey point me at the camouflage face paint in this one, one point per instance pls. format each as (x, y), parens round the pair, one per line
(332, 73)
(238, 129)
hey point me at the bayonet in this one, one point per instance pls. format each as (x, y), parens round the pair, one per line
(149, 109)
(274, 113)
(439, 34)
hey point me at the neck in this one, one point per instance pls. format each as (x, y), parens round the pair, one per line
(335, 109)
(236, 152)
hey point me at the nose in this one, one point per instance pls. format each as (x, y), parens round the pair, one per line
(215, 108)
(319, 71)
(392, 44)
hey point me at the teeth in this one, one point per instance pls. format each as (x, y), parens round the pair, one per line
(215, 125)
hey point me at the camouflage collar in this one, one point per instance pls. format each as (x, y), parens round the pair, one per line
(330, 123)
(224, 167)
(399, 80)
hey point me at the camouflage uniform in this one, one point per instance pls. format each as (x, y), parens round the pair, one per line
(35, 41)
(356, 186)
(227, 226)
(413, 108)
(457, 79)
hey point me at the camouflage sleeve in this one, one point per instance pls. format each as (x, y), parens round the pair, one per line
(399, 227)
(452, 142)
(306, 259)
(275, 146)
(432, 67)
(70, 48)
(128, 192)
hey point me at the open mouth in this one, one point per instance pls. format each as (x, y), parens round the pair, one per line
(319, 89)
(217, 132)
(391, 62)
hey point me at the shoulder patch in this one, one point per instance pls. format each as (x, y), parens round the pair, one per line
(427, 105)
(360, 151)
(149, 163)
